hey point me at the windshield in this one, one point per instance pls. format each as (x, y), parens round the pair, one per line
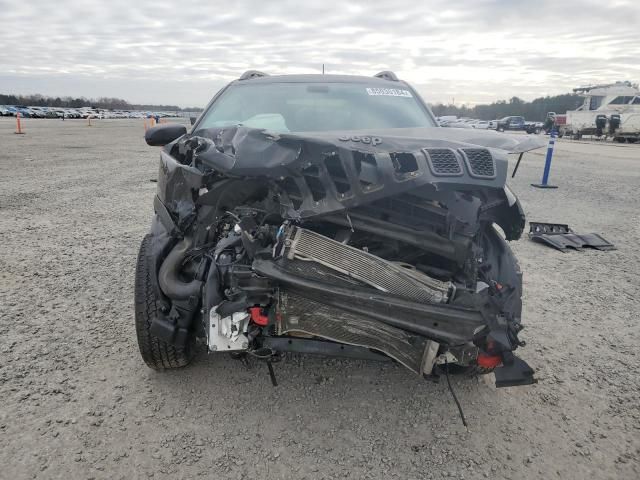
(308, 107)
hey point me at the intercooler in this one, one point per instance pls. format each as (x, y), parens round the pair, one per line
(405, 281)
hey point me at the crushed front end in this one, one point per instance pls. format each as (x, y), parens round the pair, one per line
(391, 243)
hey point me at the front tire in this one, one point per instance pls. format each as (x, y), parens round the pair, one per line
(156, 353)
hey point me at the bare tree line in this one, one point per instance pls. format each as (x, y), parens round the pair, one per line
(535, 110)
(38, 100)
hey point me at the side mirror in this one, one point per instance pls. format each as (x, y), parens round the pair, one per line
(163, 134)
(193, 120)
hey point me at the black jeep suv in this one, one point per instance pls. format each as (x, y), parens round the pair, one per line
(330, 214)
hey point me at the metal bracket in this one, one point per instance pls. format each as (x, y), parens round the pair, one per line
(429, 357)
(228, 334)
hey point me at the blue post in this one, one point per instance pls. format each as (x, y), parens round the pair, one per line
(547, 163)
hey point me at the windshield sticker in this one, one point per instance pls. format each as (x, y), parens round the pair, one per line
(389, 92)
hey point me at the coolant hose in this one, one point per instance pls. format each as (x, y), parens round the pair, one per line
(211, 295)
(168, 279)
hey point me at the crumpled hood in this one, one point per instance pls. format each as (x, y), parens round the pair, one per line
(245, 151)
(320, 173)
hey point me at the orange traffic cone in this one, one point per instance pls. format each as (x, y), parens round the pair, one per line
(18, 125)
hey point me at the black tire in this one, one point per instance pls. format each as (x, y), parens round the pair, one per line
(156, 353)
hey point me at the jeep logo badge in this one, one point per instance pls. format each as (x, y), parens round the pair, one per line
(366, 140)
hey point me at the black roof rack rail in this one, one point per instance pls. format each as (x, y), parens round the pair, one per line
(387, 75)
(249, 74)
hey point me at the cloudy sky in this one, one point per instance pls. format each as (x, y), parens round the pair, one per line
(151, 51)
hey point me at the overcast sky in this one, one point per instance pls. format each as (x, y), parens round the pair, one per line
(151, 51)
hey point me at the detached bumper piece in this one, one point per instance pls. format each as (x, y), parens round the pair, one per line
(561, 237)
(514, 372)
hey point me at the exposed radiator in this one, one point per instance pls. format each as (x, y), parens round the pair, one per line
(306, 245)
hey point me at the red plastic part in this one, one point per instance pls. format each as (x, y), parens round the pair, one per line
(257, 317)
(489, 361)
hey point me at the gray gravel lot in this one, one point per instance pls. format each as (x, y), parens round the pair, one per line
(76, 401)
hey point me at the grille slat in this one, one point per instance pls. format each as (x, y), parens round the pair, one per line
(480, 162)
(443, 162)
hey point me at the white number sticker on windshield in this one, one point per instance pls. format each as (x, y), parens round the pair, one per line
(389, 92)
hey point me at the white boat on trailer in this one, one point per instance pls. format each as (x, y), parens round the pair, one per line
(611, 110)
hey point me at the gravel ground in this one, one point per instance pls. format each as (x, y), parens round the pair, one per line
(77, 401)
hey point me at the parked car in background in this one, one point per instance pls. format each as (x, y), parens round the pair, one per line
(480, 124)
(533, 127)
(493, 124)
(453, 122)
(458, 124)
(50, 113)
(38, 112)
(22, 110)
(511, 123)
(444, 120)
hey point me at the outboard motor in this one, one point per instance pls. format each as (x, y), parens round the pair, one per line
(614, 123)
(601, 122)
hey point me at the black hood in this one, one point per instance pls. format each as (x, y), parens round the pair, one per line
(322, 172)
(247, 151)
